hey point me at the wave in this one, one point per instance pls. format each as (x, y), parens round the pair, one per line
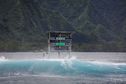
(61, 67)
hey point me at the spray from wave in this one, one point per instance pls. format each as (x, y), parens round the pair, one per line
(2, 58)
(62, 67)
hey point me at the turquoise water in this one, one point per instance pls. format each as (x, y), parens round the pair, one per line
(63, 67)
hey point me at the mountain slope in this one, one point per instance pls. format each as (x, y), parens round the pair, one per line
(98, 25)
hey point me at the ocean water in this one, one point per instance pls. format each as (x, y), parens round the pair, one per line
(61, 71)
(62, 67)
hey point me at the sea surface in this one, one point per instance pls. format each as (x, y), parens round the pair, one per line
(79, 68)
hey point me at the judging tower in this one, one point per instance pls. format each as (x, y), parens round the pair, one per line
(59, 41)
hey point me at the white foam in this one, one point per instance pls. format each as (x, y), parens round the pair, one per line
(2, 58)
(106, 63)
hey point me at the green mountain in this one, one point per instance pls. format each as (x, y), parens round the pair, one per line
(98, 25)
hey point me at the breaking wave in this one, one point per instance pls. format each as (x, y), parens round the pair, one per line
(62, 67)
